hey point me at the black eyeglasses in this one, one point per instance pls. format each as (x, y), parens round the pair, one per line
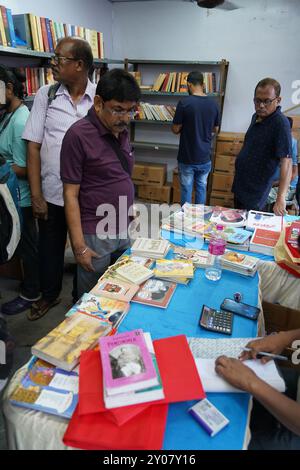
(266, 102)
(60, 58)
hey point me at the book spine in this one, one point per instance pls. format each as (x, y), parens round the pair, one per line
(2, 30)
(49, 35)
(6, 28)
(34, 35)
(44, 34)
(11, 27)
(52, 29)
(39, 33)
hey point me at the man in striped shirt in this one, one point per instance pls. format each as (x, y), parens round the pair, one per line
(44, 131)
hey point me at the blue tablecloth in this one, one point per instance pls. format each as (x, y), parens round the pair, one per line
(181, 317)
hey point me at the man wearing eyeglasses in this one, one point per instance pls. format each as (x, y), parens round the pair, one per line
(267, 146)
(96, 167)
(44, 131)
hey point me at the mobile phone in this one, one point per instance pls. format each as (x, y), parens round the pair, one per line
(240, 308)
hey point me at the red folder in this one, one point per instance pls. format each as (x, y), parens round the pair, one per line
(178, 371)
(96, 432)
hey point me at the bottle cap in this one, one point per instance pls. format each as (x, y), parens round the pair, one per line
(219, 227)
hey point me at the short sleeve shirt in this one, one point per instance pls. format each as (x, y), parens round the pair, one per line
(47, 125)
(266, 143)
(198, 116)
(13, 147)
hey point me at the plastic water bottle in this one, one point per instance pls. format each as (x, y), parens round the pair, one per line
(216, 249)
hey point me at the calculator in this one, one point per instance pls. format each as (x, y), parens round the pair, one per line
(218, 321)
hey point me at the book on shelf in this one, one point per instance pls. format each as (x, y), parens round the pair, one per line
(62, 346)
(264, 241)
(115, 289)
(155, 112)
(48, 389)
(134, 273)
(134, 397)
(239, 263)
(112, 311)
(127, 363)
(264, 220)
(229, 217)
(173, 268)
(151, 248)
(155, 292)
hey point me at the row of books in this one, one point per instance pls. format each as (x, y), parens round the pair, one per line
(156, 112)
(42, 34)
(176, 82)
(37, 77)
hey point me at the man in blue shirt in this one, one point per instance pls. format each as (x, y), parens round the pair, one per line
(292, 188)
(267, 146)
(196, 118)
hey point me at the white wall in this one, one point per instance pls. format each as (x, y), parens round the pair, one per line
(94, 14)
(260, 39)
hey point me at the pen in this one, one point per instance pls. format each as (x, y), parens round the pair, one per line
(273, 356)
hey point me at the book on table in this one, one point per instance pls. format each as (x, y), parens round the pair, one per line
(62, 346)
(198, 257)
(239, 263)
(147, 262)
(115, 289)
(138, 396)
(134, 273)
(151, 248)
(127, 363)
(47, 388)
(107, 310)
(155, 292)
(229, 217)
(264, 220)
(264, 241)
(174, 268)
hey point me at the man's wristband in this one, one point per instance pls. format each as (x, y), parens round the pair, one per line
(82, 252)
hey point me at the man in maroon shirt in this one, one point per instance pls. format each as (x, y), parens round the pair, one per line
(96, 167)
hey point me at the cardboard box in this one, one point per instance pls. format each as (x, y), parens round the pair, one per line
(221, 182)
(175, 181)
(225, 163)
(229, 143)
(221, 199)
(149, 173)
(155, 193)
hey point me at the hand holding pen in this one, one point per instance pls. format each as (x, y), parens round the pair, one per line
(265, 348)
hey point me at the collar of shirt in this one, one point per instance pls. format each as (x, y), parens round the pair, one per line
(257, 120)
(101, 128)
(89, 91)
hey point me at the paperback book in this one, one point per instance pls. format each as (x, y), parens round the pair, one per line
(115, 289)
(174, 268)
(151, 248)
(63, 345)
(239, 263)
(198, 257)
(127, 363)
(139, 396)
(48, 389)
(134, 273)
(229, 217)
(155, 292)
(111, 311)
(264, 220)
(264, 241)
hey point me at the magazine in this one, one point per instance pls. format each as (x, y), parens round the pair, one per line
(229, 217)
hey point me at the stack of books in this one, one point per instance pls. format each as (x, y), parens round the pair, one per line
(150, 248)
(239, 263)
(264, 241)
(130, 371)
(90, 318)
(264, 220)
(198, 257)
(229, 217)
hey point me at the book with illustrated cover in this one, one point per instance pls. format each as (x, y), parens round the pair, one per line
(155, 292)
(147, 262)
(63, 345)
(236, 235)
(264, 241)
(229, 217)
(174, 268)
(134, 273)
(107, 310)
(198, 211)
(150, 247)
(127, 363)
(264, 220)
(198, 257)
(139, 396)
(240, 263)
(47, 388)
(115, 289)
(293, 234)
